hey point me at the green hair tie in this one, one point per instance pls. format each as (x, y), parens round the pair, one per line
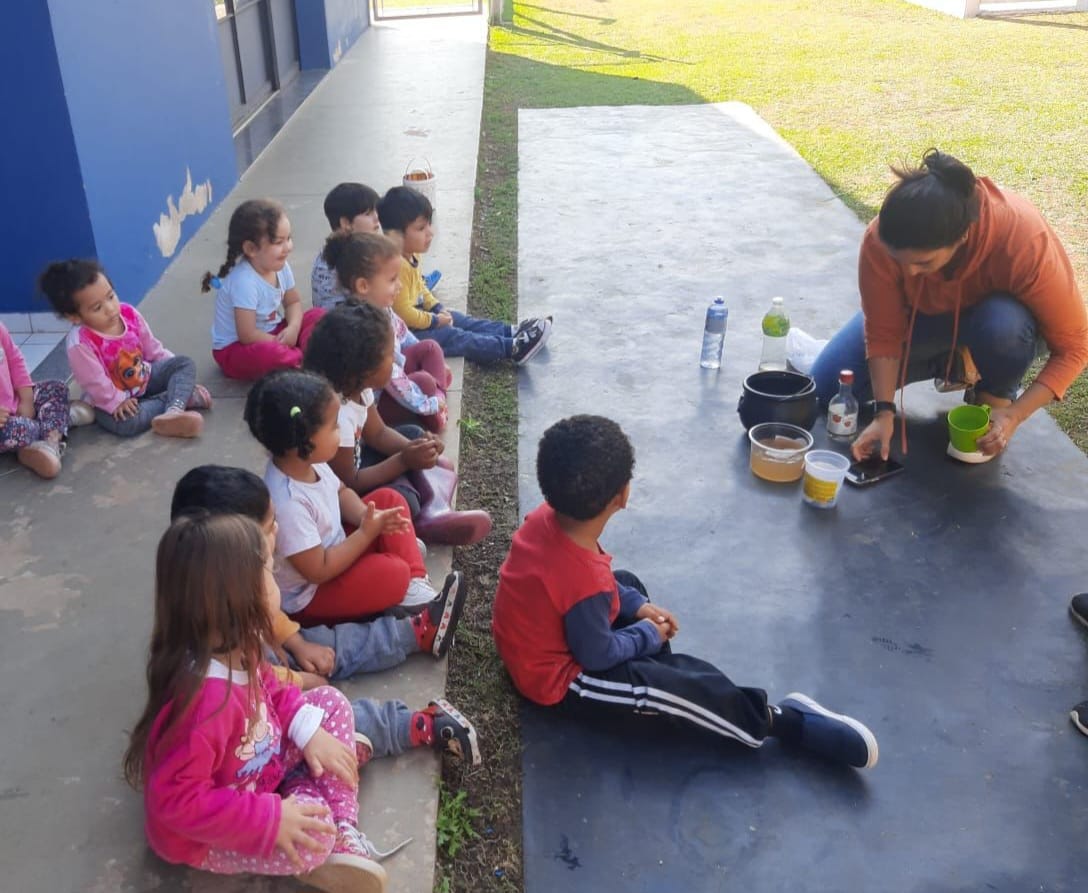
(295, 411)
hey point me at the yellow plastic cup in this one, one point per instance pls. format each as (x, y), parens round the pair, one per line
(824, 474)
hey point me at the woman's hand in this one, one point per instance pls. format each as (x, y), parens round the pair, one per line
(300, 823)
(876, 438)
(323, 753)
(1003, 424)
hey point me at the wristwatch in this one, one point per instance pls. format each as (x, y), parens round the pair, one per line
(880, 406)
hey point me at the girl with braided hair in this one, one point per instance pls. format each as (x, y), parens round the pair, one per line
(259, 322)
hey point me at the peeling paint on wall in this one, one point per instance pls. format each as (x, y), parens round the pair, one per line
(191, 201)
(338, 52)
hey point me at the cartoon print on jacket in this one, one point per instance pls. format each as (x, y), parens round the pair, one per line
(258, 746)
(128, 371)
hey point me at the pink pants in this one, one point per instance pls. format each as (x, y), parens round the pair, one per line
(328, 790)
(378, 579)
(427, 356)
(251, 361)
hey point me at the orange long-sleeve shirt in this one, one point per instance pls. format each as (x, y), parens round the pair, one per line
(1009, 249)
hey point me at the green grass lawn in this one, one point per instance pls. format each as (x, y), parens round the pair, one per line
(853, 85)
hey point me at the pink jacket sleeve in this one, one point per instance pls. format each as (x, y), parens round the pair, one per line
(149, 344)
(20, 377)
(182, 796)
(93, 379)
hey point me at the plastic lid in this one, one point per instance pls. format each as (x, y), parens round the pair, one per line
(778, 300)
(846, 376)
(719, 300)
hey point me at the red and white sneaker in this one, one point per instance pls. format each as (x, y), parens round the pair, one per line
(445, 729)
(435, 626)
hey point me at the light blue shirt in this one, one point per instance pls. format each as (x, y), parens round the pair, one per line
(244, 289)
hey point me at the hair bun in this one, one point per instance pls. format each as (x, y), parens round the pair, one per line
(950, 171)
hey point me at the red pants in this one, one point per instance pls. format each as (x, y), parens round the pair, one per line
(251, 361)
(377, 580)
(427, 356)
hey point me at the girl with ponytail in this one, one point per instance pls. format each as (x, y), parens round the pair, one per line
(259, 323)
(327, 576)
(961, 282)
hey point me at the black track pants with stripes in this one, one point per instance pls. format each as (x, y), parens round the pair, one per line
(674, 689)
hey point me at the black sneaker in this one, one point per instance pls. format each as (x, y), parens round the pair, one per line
(529, 339)
(1078, 607)
(832, 735)
(434, 627)
(532, 321)
(453, 733)
(1079, 715)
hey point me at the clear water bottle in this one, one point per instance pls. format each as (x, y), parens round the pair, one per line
(776, 326)
(842, 411)
(714, 335)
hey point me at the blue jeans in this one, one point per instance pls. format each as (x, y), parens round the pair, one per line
(1000, 332)
(481, 340)
(386, 723)
(365, 647)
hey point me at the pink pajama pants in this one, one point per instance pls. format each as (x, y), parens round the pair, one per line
(328, 790)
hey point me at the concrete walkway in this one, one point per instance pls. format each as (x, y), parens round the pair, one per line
(77, 554)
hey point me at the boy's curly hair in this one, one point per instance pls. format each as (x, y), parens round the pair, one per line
(582, 463)
(347, 344)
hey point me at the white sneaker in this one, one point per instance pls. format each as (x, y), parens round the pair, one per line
(42, 457)
(420, 592)
(80, 413)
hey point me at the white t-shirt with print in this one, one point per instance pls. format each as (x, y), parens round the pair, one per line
(308, 515)
(244, 289)
(352, 418)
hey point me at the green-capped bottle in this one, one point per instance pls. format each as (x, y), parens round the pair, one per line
(776, 326)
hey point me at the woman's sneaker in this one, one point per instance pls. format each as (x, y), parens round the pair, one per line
(529, 338)
(1079, 715)
(1078, 607)
(832, 736)
(80, 413)
(434, 627)
(350, 868)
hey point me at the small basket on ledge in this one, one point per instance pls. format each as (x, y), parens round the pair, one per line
(421, 179)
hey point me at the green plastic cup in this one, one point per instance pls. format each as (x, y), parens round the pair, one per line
(966, 424)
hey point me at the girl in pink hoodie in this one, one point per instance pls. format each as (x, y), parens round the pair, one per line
(242, 773)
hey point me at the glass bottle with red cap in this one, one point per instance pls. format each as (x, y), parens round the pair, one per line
(842, 411)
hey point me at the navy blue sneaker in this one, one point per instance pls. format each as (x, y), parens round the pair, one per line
(832, 735)
(1078, 607)
(431, 279)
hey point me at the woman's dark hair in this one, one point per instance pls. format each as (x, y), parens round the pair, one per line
(221, 490)
(931, 206)
(401, 205)
(347, 344)
(209, 601)
(348, 200)
(284, 409)
(582, 463)
(251, 221)
(60, 281)
(357, 255)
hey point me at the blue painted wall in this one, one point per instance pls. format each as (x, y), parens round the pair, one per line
(147, 100)
(328, 28)
(40, 180)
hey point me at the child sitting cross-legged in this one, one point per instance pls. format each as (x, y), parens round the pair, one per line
(353, 348)
(241, 773)
(369, 264)
(326, 574)
(407, 212)
(577, 636)
(34, 415)
(131, 380)
(386, 728)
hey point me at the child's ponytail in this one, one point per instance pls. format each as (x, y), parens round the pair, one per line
(251, 221)
(285, 408)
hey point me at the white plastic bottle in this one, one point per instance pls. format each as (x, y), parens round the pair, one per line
(842, 410)
(776, 326)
